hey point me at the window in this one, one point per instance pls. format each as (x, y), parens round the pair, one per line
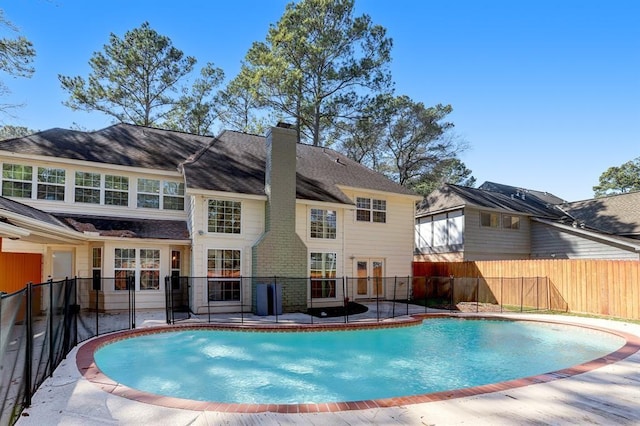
(175, 269)
(323, 223)
(323, 274)
(51, 184)
(96, 268)
(17, 180)
(124, 267)
(489, 220)
(223, 270)
(224, 217)
(87, 188)
(510, 222)
(173, 196)
(116, 190)
(149, 269)
(371, 210)
(149, 193)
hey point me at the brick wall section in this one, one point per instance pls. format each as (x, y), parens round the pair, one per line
(280, 252)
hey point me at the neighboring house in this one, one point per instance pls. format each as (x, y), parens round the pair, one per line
(501, 222)
(130, 201)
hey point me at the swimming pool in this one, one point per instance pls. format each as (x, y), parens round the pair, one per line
(437, 355)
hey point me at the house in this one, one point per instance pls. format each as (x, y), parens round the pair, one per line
(501, 222)
(230, 212)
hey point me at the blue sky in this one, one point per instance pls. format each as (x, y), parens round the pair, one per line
(545, 92)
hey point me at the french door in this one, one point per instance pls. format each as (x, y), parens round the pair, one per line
(369, 273)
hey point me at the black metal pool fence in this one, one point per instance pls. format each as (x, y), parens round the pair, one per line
(42, 323)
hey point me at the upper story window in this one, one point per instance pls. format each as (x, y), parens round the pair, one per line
(151, 197)
(149, 193)
(87, 188)
(495, 220)
(17, 180)
(116, 190)
(51, 184)
(510, 221)
(323, 223)
(489, 220)
(224, 216)
(371, 210)
(173, 196)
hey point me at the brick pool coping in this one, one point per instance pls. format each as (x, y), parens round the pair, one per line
(88, 369)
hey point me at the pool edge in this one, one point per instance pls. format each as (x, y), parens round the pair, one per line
(88, 369)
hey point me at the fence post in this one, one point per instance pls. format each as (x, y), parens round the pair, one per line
(452, 285)
(477, 294)
(131, 283)
(521, 293)
(393, 306)
(50, 283)
(346, 300)
(409, 284)
(28, 346)
(501, 292)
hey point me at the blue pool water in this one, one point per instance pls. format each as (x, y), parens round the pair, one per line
(330, 366)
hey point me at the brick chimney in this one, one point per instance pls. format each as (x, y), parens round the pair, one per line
(280, 252)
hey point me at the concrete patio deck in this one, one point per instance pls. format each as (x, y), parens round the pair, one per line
(604, 396)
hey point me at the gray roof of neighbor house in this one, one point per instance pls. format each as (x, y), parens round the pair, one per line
(539, 197)
(453, 196)
(235, 162)
(614, 214)
(29, 212)
(120, 144)
(127, 227)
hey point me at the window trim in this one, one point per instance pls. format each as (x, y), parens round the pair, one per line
(323, 279)
(324, 228)
(212, 279)
(240, 207)
(371, 210)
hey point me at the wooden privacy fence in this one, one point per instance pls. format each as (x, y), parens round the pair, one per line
(601, 287)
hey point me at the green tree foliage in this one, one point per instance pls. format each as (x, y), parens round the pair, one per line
(197, 110)
(16, 57)
(318, 65)
(10, 132)
(618, 180)
(410, 143)
(238, 107)
(132, 79)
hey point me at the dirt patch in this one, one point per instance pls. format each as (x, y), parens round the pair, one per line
(470, 307)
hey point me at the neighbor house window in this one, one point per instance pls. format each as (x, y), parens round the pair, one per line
(371, 210)
(323, 223)
(87, 188)
(17, 180)
(489, 220)
(510, 221)
(323, 275)
(173, 195)
(149, 269)
(223, 272)
(224, 217)
(149, 193)
(124, 267)
(116, 190)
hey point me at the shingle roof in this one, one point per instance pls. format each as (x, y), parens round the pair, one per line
(235, 162)
(451, 196)
(120, 144)
(615, 214)
(29, 212)
(127, 227)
